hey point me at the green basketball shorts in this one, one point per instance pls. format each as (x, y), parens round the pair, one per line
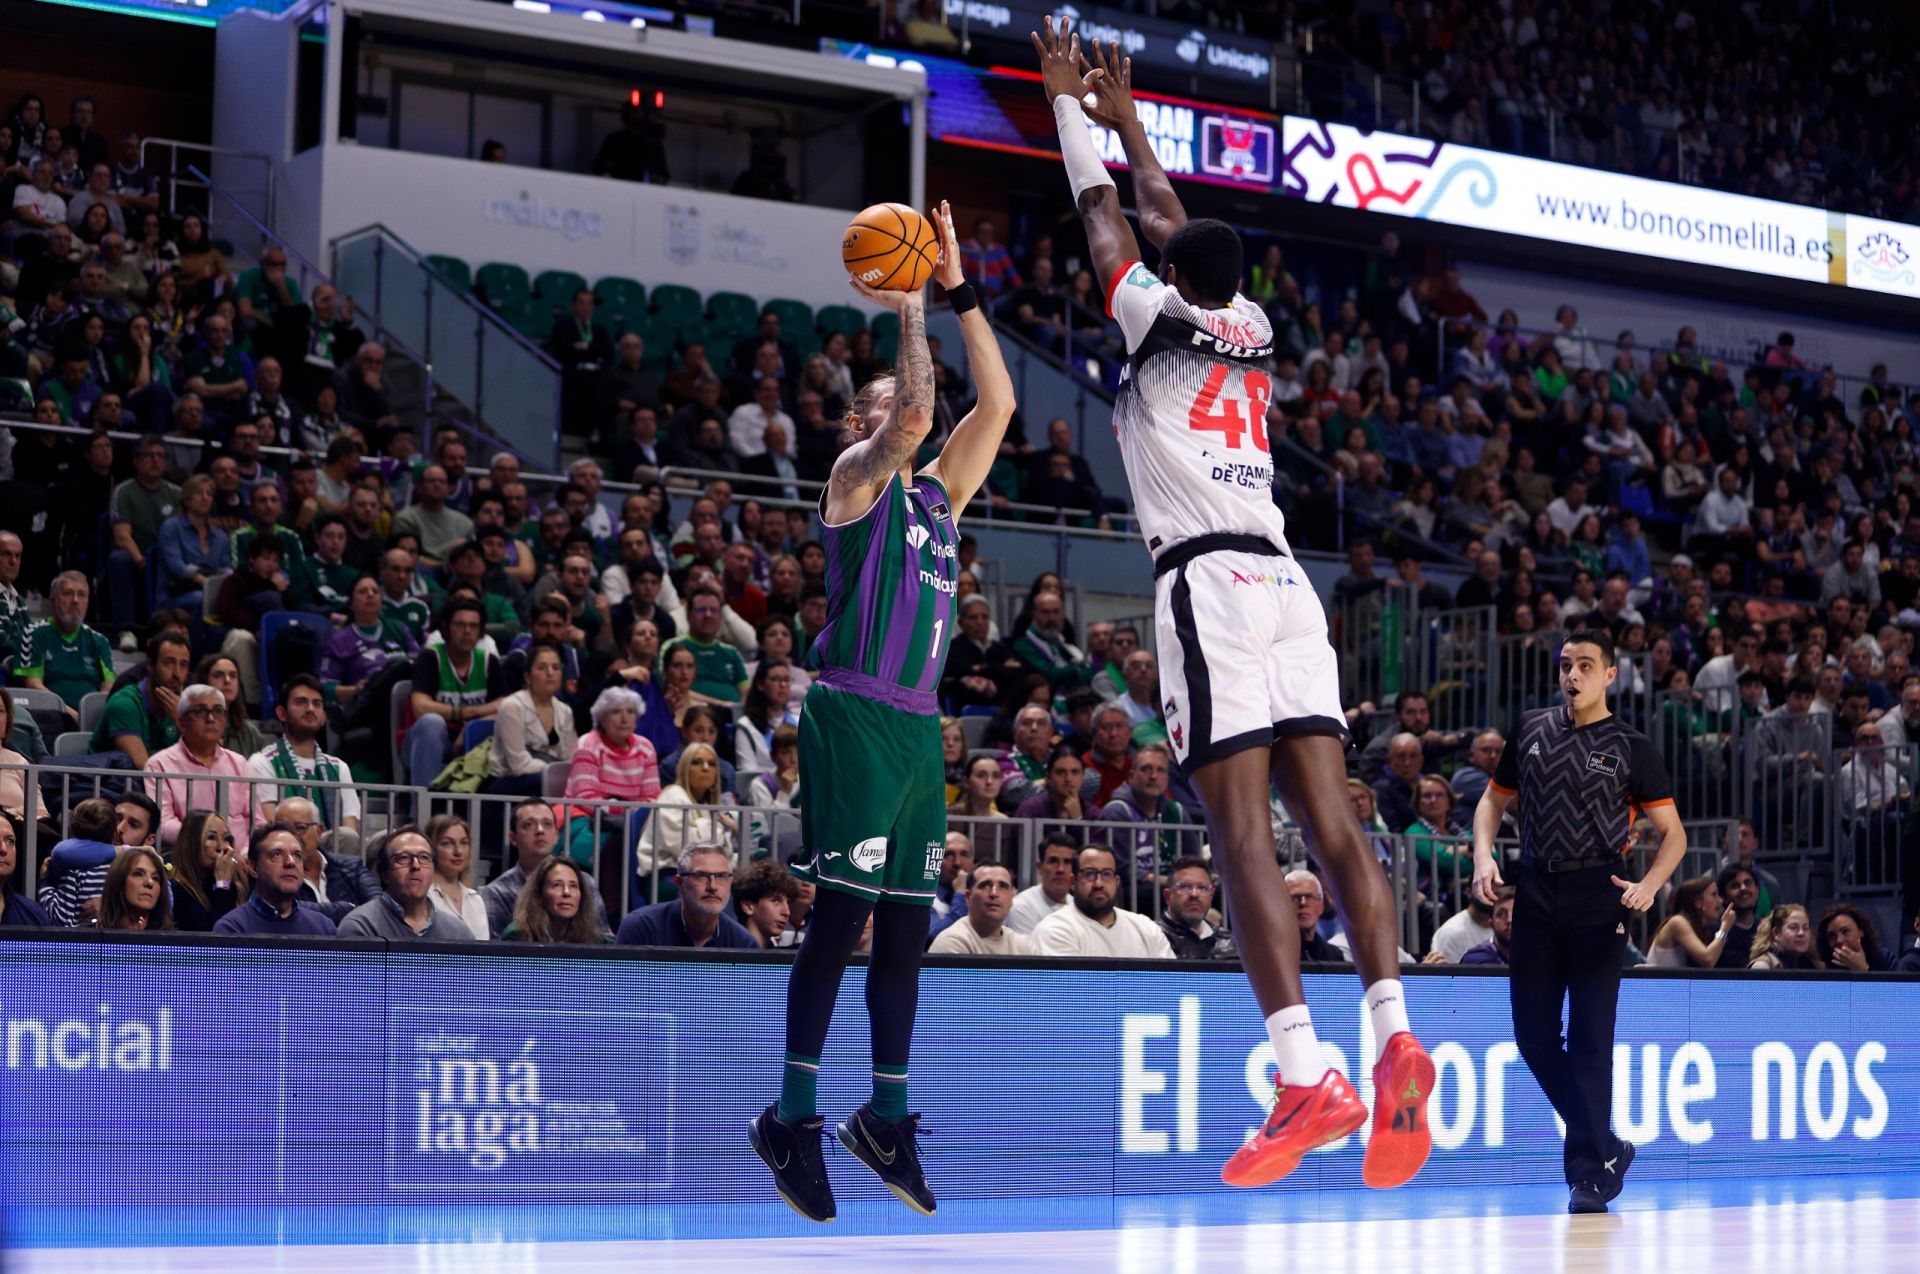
(873, 817)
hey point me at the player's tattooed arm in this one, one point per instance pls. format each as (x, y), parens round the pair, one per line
(869, 463)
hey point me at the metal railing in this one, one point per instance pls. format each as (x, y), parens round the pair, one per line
(175, 177)
(511, 385)
(1597, 352)
(311, 275)
(1859, 821)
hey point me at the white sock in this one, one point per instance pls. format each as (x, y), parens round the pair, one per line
(1387, 1010)
(1296, 1049)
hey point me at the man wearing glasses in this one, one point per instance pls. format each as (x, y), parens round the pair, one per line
(700, 916)
(188, 774)
(404, 860)
(1093, 925)
(532, 833)
(274, 904)
(335, 883)
(1189, 898)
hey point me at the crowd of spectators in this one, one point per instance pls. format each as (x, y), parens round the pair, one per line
(1771, 98)
(629, 682)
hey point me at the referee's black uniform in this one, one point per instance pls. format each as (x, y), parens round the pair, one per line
(1578, 790)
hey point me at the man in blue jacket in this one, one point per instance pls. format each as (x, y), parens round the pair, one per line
(15, 907)
(699, 916)
(279, 869)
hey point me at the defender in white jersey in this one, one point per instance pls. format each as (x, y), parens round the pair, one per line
(1244, 655)
(1249, 678)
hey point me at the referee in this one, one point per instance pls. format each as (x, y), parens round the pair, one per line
(1580, 775)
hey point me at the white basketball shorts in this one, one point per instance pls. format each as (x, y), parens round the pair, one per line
(1244, 655)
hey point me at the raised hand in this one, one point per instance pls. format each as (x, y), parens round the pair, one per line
(1111, 81)
(889, 300)
(947, 271)
(1060, 59)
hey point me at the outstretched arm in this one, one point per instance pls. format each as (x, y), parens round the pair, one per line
(1111, 79)
(1110, 239)
(975, 442)
(864, 469)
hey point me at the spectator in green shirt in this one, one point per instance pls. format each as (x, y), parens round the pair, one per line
(1044, 648)
(397, 600)
(220, 374)
(721, 674)
(263, 293)
(264, 503)
(138, 508)
(323, 582)
(139, 718)
(14, 620)
(467, 564)
(63, 654)
(439, 525)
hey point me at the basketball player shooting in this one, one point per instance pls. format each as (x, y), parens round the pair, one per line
(1248, 675)
(874, 827)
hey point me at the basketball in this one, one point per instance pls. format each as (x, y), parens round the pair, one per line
(890, 247)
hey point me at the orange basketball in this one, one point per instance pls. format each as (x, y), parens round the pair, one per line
(890, 247)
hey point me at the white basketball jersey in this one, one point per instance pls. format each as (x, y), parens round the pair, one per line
(1191, 415)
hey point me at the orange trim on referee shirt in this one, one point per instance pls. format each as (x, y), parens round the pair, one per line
(1501, 788)
(1114, 285)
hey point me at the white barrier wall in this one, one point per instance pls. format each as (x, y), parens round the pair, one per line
(594, 226)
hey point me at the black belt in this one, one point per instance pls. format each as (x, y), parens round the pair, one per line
(1186, 550)
(1554, 866)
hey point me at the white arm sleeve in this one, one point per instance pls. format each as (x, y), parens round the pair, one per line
(1085, 170)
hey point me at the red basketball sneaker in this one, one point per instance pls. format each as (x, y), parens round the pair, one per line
(1401, 1140)
(1301, 1119)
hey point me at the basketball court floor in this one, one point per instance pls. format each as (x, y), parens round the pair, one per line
(1859, 1225)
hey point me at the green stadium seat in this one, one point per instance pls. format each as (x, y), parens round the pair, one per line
(679, 302)
(503, 285)
(796, 317)
(556, 287)
(532, 319)
(666, 333)
(456, 272)
(839, 318)
(733, 311)
(623, 296)
(886, 335)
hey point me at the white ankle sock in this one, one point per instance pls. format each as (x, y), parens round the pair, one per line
(1296, 1049)
(1387, 1010)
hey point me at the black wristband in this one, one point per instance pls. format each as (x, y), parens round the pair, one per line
(962, 297)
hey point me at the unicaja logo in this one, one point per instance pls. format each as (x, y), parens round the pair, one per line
(1190, 48)
(532, 212)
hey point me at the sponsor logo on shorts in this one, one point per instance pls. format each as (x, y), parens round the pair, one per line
(1262, 577)
(936, 850)
(869, 853)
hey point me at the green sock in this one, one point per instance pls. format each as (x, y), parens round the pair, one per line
(890, 1092)
(799, 1087)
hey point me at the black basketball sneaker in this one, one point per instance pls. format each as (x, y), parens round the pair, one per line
(799, 1168)
(893, 1153)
